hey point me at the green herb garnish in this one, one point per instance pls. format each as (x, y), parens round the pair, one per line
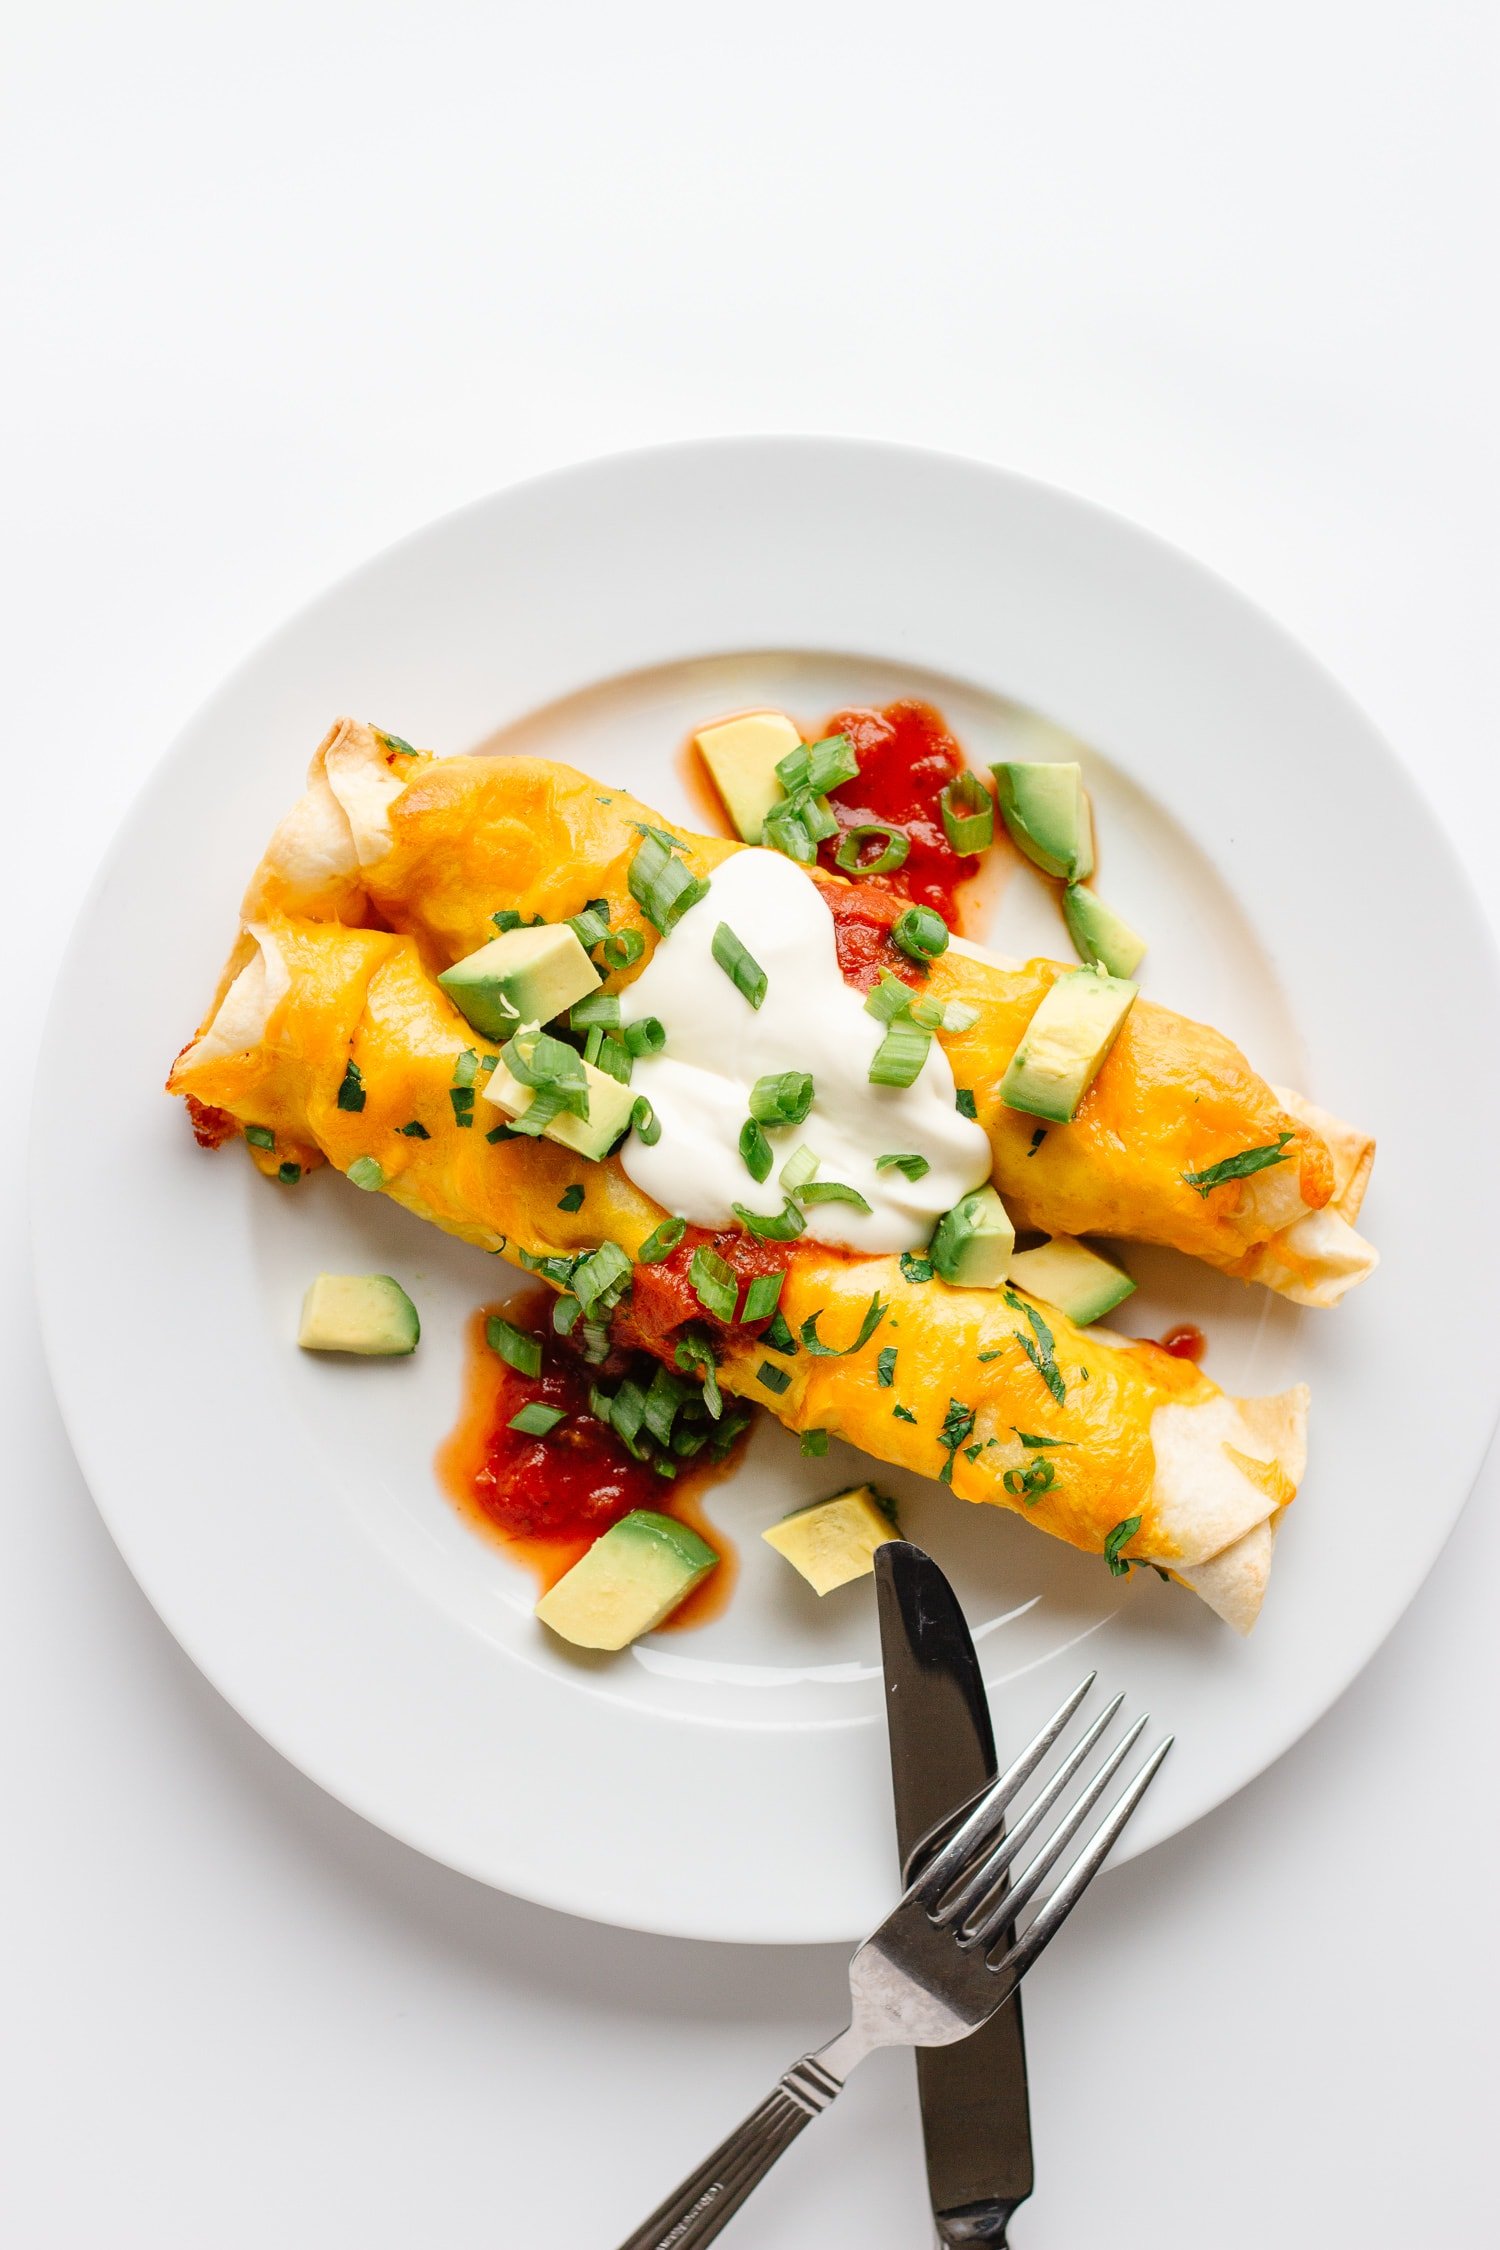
(515, 1346)
(365, 1172)
(921, 934)
(763, 1296)
(714, 1283)
(416, 1131)
(915, 1167)
(571, 1198)
(891, 848)
(739, 965)
(601, 1008)
(352, 1088)
(647, 1036)
(1239, 1167)
(775, 1378)
(1038, 1347)
(831, 1191)
(755, 1150)
(661, 1242)
(964, 1103)
(778, 1336)
(903, 1414)
(958, 1424)
(815, 1443)
(289, 1174)
(782, 1098)
(623, 950)
(875, 1312)
(968, 812)
(394, 742)
(536, 1420)
(663, 886)
(782, 1226)
(1037, 1139)
(260, 1136)
(1119, 1566)
(885, 1367)
(915, 1268)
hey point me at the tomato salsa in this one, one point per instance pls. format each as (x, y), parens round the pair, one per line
(907, 757)
(1185, 1342)
(547, 1499)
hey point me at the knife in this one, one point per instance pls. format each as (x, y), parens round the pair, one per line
(976, 2118)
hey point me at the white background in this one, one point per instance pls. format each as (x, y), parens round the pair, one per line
(281, 283)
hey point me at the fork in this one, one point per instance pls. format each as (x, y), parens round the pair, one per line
(939, 1965)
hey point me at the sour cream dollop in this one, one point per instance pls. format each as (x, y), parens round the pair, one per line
(718, 1045)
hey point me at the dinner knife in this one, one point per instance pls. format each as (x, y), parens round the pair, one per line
(976, 2117)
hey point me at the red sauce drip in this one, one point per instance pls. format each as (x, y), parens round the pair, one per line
(211, 1127)
(547, 1499)
(907, 757)
(1185, 1342)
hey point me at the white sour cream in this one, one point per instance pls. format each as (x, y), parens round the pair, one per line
(718, 1045)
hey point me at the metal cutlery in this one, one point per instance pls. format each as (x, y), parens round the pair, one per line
(940, 1964)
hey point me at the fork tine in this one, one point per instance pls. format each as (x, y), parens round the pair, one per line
(985, 1923)
(957, 1855)
(988, 1873)
(1060, 1903)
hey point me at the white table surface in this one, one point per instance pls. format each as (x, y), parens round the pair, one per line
(288, 280)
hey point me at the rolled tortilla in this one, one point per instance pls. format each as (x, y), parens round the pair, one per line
(1134, 1433)
(434, 846)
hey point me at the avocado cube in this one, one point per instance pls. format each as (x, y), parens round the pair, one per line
(526, 976)
(631, 1578)
(366, 1313)
(1101, 935)
(1068, 1274)
(1065, 1042)
(610, 1105)
(834, 1542)
(973, 1243)
(1046, 810)
(741, 756)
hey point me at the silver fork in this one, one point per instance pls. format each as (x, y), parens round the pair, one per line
(937, 1967)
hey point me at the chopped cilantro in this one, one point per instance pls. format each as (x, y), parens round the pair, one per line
(571, 1198)
(418, 1132)
(958, 1424)
(352, 1088)
(903, 1414)
(914, 1268)
(964, 1102)
(1239, 1167)
(1119, 1566)
(885, 1368)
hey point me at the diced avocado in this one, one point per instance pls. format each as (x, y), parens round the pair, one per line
(366, 1313)
(973, 1243)
(1068, 1274)
(741, 756)
(1046, 810)
(610, 1105)
(526, 976)
(1100, 934)
(835, 1541)
(630, 1579)
(1065, 1042)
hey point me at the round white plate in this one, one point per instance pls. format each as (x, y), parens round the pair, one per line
(281, 1512)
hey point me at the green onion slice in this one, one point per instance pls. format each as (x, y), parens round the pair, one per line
(755, 1149)
(889, 998)
(775, 1378)
(818, 766)
(778, 1336)
(571, 1198)
(714, 1283)
(786, 832)
(898, 1059)
(959, 1016)
(694, 1355)
(800, 1167)
(739, 965)
(516, 1346)
(915, 1167)
(921, 933)
(601, 1279)
(663, 886)
(613, 1056)
(782, 1226)
(875, 1312)
(351, 1093)
(602, 1008)
(366, 1172)
(763, 1295)
(644, 1121)
(536, 1420)
(647, 1036)
(623, 950)
(591, 927)
(661, 1242)
(855, 842)
(782, 1098)
(260, 1136)
(968, 814)
(831, 1191)
(289, 1174)
(815, 1442)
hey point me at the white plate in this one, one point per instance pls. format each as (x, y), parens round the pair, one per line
(281, 1512)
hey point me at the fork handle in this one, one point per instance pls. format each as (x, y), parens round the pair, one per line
(708, 2199)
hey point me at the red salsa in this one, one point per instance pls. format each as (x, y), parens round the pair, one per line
(907, 757)
(1185, 1342)
(548, 1498)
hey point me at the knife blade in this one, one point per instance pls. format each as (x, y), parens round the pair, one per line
(976, 2117)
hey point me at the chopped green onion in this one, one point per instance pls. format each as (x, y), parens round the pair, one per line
(661, 1242)
(536, 1420)
(915, 1167)
(591, 927)
(663, 886)
(289, 1174)
(964, 1103)
(495, 1133)
(875, 1312)
(739, 965)
(775, 1378)
(667, 1395)
(815, 1442)
(647, 1036)
(921, 933)
(898, 1059)
(894, 847)
(549, 1067)
(602, 1008)
(959, 1016)
(613, 1056)
(466, 1068)
(351, 1088)
(365, 1172)
(816, 816)
(462, 1098)
(714, 1283)
(968, 814)
(763, 1295)
(260, 1136)
(782, 1098)
(644, 1121)
(885, 1368)
(623, 950)
(778, 1336)
(786, 832)
(571, 1198)
(601, 1279)
(627, 1411)
(819, 766)
(782, 1226)
(516, 1347)
(418, 1132)
(566, 1314)
(800, 1167)
(888, 999)
(755, 1149)
(694, 1355)
(832, 1191)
